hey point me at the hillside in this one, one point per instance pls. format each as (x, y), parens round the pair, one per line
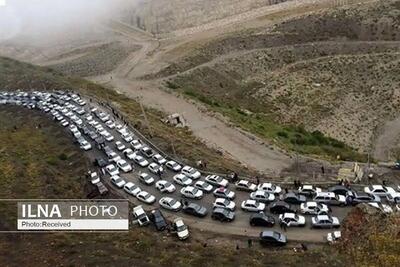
(333, 72)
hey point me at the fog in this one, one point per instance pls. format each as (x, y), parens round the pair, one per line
(52, 18)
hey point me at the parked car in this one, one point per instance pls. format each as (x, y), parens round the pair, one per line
(100, 162)
(170, 203)
(293, 198)
(112, 170)
(159, 220)
(147, 152)
(309, 190)
(146, 197)
(382, 207)
(124, 166)
(120, 146)
(252, 205)
(195, 210)
(270, 188)
(117, 181)
(262, 196)
(325, 221)
(333, 237)
(129, 154)
(136, 144)
(262, 219)
(314, 208)
(172, 165)
(190, 172)
(204, 186)
(132, 189)
(165, 187)
(155, 168)
(191, 192)
(330, 198)
(379, 190)
(224, 193)
(146, 178)
(272, 238)
(94, 177)
(140, 215)
(341, 190)
(292, 219)
(180, 228)
(223, 215)
(280, 207)
(182, 179)
(393, 197)
(159, 159)
(217, 180)
(244, 185)
(139, 160)
(362, 197)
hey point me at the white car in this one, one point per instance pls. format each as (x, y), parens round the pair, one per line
(245, 185)
(172, 165)
(270, 188)
(155, 168)
(77, 134)
(393, 197)
(120, 146)
(217, 180)
(159, 159)
(127, 137)
(192, 192)
(112, 170)
(309, 190)
(117, 181)
(132, 189)
(224, 203)
(124, 166)
(182, 179)
(85, 145)
(64, 123)
(146, 197)
(382, 207)
(314, 208)
(108, 137)
(114, 157)
(262, 196)
(252, 205)
(94, 177)
(292, 219)
(224, 193)
(170, 203)
(136, 144)
(165, 186)
(110, 124)
(146, 179)
(333, 237)
(379, 190)
(206, 187)
(181, 229)
(120, 128)
(191, 172)
(325, 221)
(141, 161)
(129, 154)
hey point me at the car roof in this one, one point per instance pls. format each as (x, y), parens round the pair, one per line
(289, 215)
(323, 217)
(251, 201)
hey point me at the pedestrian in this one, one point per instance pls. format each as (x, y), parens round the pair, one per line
(284, 226)
(182, 202)
(295, 184)
(384, 182)
(103, 171)
(249, 243)
(286, 190)
(159, 172)
(237, 246)
(186, 203)
(205, 164)
(204, 245)
(281, 225)
(257, 180)
(322, 169)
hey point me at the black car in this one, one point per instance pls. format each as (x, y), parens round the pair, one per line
(261, 219)
(223, 215)
(195, 210)
(280, 207)
(341, 190)
(294, 198)
(100, 162)
(272, 238)
(159, 220)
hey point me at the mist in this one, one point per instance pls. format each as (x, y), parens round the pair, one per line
(53, 18)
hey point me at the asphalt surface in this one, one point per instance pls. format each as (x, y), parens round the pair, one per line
(239, 227)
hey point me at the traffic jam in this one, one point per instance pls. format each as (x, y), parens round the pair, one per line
(158, 184)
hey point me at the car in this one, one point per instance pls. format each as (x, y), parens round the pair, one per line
(293, 198)
(132, 189)
(393, 197)
(85, 145)
(272, 238)
(252, 205)
(124, 166)
(379, 190)
(136, 144)
(292, 219)
(120, 128)
(155, 168)
(314, 208)
(190, 172)
(195, 210)
(147, 152)
(309, 190)
(341, 190)
(108, 137)
(244, 185)
(262, 219)
(64, 123)
(94, 177)
(224, 203)
(165, 186)
(146, 179)
(382, 207)
(146, 197)
(223, 215)
(362, 197)
(112, 170)
(180, 228)
(333, 237)
(120, 146)
(217, 180)
(324, 221)
(172, 165)
(100, 162)
(93, 135)
(129, 154)
(270, 188)
(224, 193)
(127, 137)
(113, 157)
(262, 196)
(191, 192)
(118, 181)
(204, 186)
(330, 198)
(140, 215)
(170, 203)
(159, 220)
(182, 179)
(139, 160)
(159, 159)
(110, 124)
(280, 207)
